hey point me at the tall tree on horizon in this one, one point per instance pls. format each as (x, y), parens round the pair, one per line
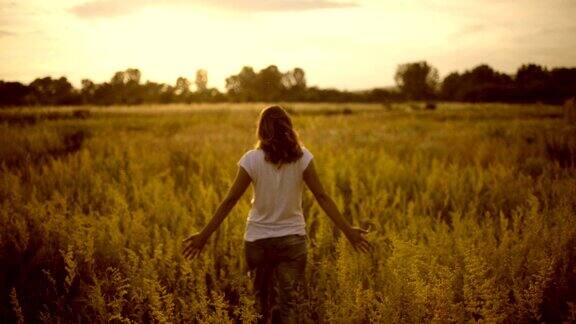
(201, 80)
(417, 80)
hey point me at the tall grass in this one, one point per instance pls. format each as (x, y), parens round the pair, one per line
(472, 211)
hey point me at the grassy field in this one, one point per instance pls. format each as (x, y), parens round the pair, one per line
(472, 210)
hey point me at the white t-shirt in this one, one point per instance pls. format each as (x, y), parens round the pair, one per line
(277, 196)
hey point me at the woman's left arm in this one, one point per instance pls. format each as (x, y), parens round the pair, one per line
(193, 245)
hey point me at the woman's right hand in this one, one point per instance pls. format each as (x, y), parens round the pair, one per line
(193, 245)
(355, 236)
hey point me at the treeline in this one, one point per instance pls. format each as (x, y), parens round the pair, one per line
(415, 81)
(531, 83)
(126, 88)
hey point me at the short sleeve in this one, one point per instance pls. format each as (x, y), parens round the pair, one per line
(246, 162)
(306, 158)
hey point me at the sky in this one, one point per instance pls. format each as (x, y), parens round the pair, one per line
(345, 44)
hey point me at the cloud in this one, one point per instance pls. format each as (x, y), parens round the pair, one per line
(108, 8)
(279, 5)
(475, 32)
(112, 8)
(4, 33)
(470, 30)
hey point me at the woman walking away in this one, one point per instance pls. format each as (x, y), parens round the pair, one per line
(275, 236)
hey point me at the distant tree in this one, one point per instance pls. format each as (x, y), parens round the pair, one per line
(381, 95)
(295, 79)
(483, 83)
(117, 78)
(450, 86)
(242, 87)
(294, 83)
(532, 83)
(13, 93)
(485, 74)
(269, 85)
(129, 76)
(87, 91)
(48, 91)
(480, 84)
(132, 76)
(529, 74)
(417, 81)
(103, 94)
(201, 80)
(210, 95)
(563, 75)
(166, 94)
(563, 83)
(153, 92)
(182, 89)
(125, 87)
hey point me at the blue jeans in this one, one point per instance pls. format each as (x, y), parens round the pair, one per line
(280, 262)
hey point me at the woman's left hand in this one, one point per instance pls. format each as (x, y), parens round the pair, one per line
(356, 237)
(193, 245)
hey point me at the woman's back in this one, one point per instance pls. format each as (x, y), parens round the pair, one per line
(277, 196)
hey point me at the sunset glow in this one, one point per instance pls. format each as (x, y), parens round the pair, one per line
(343, 44)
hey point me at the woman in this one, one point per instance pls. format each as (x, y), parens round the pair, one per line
(275, 236)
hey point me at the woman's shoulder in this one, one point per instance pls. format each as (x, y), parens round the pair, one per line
(306, 152)
(306, 157)
(252, 153)
(250, 161)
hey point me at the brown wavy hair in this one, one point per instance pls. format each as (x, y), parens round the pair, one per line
(277, 137)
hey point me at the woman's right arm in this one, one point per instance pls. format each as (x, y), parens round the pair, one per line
(353, 234)
(193, 245)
